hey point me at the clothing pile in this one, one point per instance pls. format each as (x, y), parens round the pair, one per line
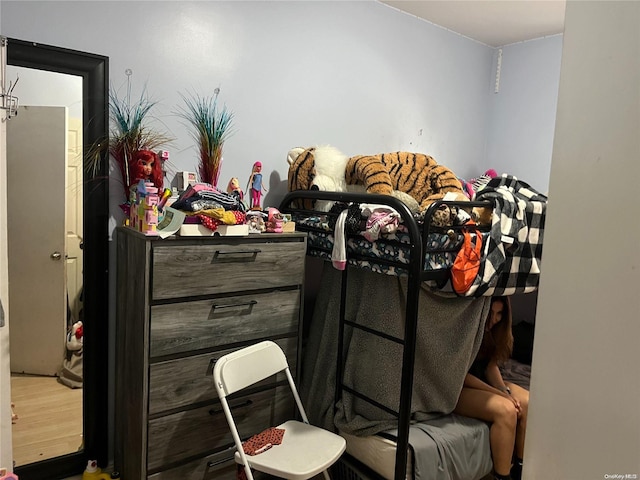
(369, 220)
(203, 203)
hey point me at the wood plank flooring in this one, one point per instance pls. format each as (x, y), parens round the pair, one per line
(49, 420)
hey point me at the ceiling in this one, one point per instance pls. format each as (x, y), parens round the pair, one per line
(493, 22)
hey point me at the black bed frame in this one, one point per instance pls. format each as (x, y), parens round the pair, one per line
(416, 274)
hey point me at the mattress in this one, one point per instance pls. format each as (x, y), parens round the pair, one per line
(452, 447)
(377, 453)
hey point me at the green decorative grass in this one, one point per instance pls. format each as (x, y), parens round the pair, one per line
(129, 131)
(211, 127)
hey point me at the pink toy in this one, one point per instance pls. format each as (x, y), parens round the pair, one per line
(471, 187)
(143, 212)
(255, 182)
(274, 221)
(4, 475)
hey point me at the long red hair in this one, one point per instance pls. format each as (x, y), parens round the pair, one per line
(497, 343)
(136, 168)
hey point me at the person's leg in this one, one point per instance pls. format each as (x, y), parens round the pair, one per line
(502, 414)
(523, 397)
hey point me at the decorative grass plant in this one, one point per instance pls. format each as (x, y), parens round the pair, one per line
(211, 128)
(129, 131)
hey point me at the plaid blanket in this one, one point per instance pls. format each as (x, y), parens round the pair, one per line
(513, 253)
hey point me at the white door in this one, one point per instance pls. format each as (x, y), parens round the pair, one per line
(74, 202)
(36, 186)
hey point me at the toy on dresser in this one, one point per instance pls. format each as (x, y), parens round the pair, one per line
(143, 210)
(255, 187)
(146, 195)
(146, 165)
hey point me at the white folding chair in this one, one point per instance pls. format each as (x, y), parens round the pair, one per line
(306, 450)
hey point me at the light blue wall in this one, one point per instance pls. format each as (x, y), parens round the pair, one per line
(358, 75)
(523, 112)
(355, 74)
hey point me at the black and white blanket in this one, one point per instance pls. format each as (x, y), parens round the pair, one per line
(513, 253)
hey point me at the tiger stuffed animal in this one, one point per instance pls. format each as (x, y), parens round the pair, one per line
(414, 178)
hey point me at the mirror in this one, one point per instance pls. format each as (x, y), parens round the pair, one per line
(46, 375)
(93, 72)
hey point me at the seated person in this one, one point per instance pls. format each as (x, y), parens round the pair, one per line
(486, 396)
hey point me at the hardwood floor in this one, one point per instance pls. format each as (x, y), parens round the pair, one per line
(49, 420)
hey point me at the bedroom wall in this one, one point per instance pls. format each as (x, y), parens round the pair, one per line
(523, 112)
(358, 75)
(584, 416)
(355, 74)
(338, 83)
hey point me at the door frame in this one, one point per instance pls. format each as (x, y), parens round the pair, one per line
(94, 70)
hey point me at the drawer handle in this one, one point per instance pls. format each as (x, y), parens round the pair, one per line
(253, 252)
(218, 312)
(216, 411)
(213, 464)
(235, 305)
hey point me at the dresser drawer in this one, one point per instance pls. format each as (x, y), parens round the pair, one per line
(187, 270)
(182, 382)
(219, 466)
(198, 432)
(182, 327)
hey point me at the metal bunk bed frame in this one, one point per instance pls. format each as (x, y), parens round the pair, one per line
(416, 274)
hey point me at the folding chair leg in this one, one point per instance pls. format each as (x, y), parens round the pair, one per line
(247, 472)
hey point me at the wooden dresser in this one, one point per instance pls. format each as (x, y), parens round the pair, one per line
(182, 303)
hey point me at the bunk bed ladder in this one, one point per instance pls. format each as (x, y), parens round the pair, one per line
(411, 315)
(403, 414)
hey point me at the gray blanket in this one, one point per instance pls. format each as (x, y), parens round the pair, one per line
(449, 335)
(450, 447)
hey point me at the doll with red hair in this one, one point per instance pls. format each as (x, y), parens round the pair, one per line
(146, 166)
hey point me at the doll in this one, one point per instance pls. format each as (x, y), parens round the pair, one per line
(146, 166)
(233, 188)
(255, 182)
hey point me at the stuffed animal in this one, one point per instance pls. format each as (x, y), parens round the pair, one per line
(75, 337)
(482, 215)
(414, 178)
(480, 182)
(317, 168)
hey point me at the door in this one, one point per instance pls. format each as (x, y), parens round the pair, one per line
(36, 238)
(74, 200)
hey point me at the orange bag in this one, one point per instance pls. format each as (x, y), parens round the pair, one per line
(467, 263)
